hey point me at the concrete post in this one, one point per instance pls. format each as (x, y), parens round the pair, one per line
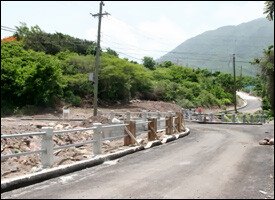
(190, 113)
(262, 118)
(244, 118)
(158, 119)
(233, 118)
(112, 115)
(211, 117)
(200, 117)
(204, 118)
(169, 124)
(222, 117)
(97, 138)
(258, 119)
(144, 118)
(251, 119)
(158, 115)
(144, 115)
(128, 116)
(183, 123)
(47, 144)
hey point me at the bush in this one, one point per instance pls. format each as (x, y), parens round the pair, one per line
(185, 103)
(28, 77)
(72, 99)
(207, 99)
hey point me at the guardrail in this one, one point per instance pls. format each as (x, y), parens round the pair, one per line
(128, 130)
(224, 118)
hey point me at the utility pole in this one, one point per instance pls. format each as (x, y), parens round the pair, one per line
(99, 15)
(241, 76)
(234, 74)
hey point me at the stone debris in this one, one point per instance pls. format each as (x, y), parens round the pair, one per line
(271, 141)
(263, 192)
(267, 141)
(116, 121)
(16, 166)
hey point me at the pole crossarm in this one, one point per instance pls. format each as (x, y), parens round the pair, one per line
(100, 14)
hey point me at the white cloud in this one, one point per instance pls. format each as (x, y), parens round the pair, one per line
(164, 32)
(153, 36)
(149, 38)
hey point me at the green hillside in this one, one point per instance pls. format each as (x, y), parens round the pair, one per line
(213, 49)
(51, 70)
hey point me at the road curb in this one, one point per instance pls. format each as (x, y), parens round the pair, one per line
(168, 139)
(45, 174)
(228, 123)
(153, 144)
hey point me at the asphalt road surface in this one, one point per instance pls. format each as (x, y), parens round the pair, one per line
(253, 103)
(213, 161)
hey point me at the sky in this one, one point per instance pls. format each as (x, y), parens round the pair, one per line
(134, 29)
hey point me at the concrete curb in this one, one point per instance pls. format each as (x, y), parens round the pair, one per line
(45, 174)
(185, 133)
(153, 144)
(168, 139)
(54, 119)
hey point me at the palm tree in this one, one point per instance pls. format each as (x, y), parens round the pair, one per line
(269, 10)
(266, 63)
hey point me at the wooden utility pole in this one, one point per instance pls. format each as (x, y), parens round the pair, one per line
(99, 15)
(234, 74)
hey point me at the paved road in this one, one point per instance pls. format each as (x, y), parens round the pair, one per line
(253, 103)
(222, 161)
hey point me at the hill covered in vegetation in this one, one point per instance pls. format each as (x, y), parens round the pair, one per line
(213, 49)
(42, 69)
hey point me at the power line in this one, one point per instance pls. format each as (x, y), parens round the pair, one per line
(8, 28)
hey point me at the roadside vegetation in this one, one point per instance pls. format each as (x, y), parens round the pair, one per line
(40, 69)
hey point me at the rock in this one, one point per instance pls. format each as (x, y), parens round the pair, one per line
(36, 169)
(116, 121)
(107, 142)
(10, 119)
(271, 141)
(263, 142)
(68, 127)
(263, 192)
(141, 141)
(89, 132)
(40, 125)
(52, 124)
(58, 127)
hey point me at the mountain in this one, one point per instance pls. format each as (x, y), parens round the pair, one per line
(213, 49)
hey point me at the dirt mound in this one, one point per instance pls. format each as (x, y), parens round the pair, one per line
(95, 119)
(153, 106)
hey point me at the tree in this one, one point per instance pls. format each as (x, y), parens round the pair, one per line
(269, 10)
(36, 39)
(149, 63)
(266, 64)
(111, 52)
(166, 64)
